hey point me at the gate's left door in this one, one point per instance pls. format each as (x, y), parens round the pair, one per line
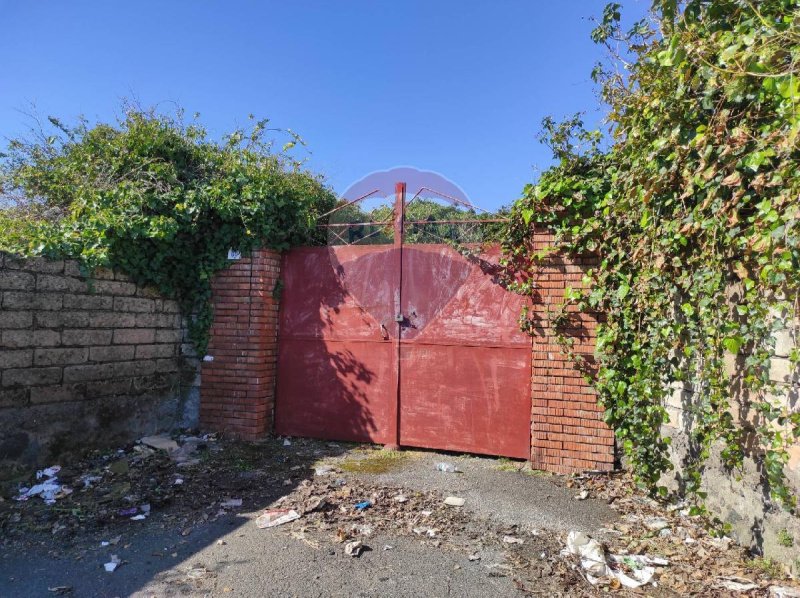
(337, 364)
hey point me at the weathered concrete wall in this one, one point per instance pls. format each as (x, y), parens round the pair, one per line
(86, 363)
(741, 498)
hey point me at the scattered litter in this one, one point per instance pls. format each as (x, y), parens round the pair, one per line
(354, 549)
(143, 510)
(656, 523)
(106, 484)
(48, 473)
(276, 517)
(594, 563)
(583, 495)
(593, 558)
(221, 542)
(231, 502)
(425, 531)
(162, 443)
(60, 589)
(197, 572)
(447, 467)
(364, 504)
(512, 540)
(363, 530)
(735, 584)
(111, 566)
(50, 490)
(454, 501)
(287, 442)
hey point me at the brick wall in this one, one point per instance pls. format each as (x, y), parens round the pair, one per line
(238, 391)
(85, 362)
(567, 430)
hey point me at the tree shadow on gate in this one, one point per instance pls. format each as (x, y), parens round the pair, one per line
(336, 359)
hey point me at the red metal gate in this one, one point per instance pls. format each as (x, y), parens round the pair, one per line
(413, 345)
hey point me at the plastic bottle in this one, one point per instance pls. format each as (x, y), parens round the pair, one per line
(446, 467)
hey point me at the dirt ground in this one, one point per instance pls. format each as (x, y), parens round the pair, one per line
(184, 524)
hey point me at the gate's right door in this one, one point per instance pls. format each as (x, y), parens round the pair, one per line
(465, 365)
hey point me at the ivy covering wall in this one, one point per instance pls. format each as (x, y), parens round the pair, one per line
(691, 201)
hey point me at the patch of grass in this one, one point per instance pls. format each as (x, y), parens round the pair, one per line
(785, 539)
(242, 464)
(238, 457)
(766, 567)
(380, 461)
(539, 473)
(506, 464)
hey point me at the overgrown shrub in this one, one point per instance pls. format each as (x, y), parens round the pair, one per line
(157, 199)
(692, 206)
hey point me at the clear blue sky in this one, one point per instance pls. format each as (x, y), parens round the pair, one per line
(457, 87)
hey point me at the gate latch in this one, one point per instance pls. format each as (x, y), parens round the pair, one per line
(399, 318)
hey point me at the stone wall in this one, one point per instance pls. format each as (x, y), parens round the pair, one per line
(86, 362)
(741, 498)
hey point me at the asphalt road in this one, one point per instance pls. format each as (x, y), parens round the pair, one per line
(232, 557)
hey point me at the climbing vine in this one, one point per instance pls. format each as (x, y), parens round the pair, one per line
(157, 199)
(691, 204)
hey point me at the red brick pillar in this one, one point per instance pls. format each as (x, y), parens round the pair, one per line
(237, 389)
(568, 433)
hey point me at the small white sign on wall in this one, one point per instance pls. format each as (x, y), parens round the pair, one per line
(234, 255)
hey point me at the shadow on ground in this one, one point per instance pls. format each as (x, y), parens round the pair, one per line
(45, 547)
(191, 545)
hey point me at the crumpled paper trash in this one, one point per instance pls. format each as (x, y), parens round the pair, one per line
(597, 565)
(49, 490)
(276, 517)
